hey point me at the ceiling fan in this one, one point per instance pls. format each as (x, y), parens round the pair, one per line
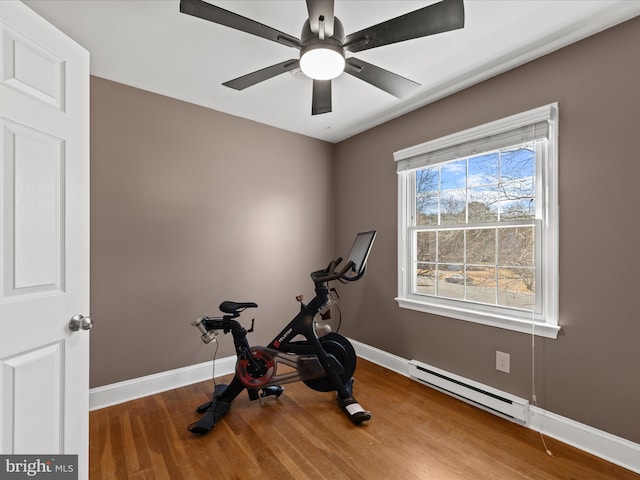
(323, 43)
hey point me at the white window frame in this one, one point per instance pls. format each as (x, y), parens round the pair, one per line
(544, 320)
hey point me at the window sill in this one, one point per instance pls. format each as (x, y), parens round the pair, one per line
(504, 322)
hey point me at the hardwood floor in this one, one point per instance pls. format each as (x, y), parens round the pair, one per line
(415, 433)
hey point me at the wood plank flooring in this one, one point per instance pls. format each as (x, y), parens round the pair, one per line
(416, 433)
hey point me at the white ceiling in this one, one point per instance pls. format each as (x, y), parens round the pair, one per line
(149, 44)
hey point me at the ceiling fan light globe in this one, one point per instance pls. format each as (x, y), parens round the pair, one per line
(322, 63)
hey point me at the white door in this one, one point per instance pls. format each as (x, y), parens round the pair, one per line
(44, 237)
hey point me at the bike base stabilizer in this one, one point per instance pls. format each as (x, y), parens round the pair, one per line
(354, 410)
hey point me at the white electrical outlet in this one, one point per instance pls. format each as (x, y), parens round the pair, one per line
(503, 361)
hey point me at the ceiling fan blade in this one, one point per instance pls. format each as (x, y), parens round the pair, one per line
(206, 11)
(321, 9)
(321, 102)
(437, 18)
(258, 76)
(390, 82)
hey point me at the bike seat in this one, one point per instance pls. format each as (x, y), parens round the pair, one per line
(233, 307)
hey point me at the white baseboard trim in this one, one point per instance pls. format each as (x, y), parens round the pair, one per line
(120, 392)
(609, 447)
(380, 357)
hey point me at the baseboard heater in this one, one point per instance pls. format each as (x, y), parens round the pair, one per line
(482, 396)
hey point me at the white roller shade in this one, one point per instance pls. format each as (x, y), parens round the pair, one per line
(522, 128)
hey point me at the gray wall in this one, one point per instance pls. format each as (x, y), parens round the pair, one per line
(190, 207)
(591, 372)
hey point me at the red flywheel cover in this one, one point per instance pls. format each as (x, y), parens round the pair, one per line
(258, 373)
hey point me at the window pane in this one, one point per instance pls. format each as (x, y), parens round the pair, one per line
(451, 246)
(453, 175)
(481, 284)
(516, 287)
(517, 163)
(427, 181)
(453, 207)
(426, 246)
(427, 210)
(483, 170)
(517, 199)
(425, 279)
(515, 246)
(483, 204)
(517, 210)
(481, 246)
(450, 280)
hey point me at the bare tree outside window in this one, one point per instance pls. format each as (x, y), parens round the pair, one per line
(475, 230)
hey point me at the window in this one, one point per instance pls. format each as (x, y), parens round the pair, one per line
(478, 224)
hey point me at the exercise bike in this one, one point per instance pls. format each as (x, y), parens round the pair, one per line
(325, 361)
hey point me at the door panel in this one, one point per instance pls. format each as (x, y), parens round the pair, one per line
(31, 69)
(33, 193)
(35, 424)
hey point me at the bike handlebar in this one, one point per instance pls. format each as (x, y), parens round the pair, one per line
(329, 273)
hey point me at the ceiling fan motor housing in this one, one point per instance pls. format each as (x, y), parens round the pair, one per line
(316, 41)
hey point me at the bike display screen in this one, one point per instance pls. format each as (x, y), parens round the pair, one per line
(360, 250)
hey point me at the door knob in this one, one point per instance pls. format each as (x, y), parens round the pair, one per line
(78, 322)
